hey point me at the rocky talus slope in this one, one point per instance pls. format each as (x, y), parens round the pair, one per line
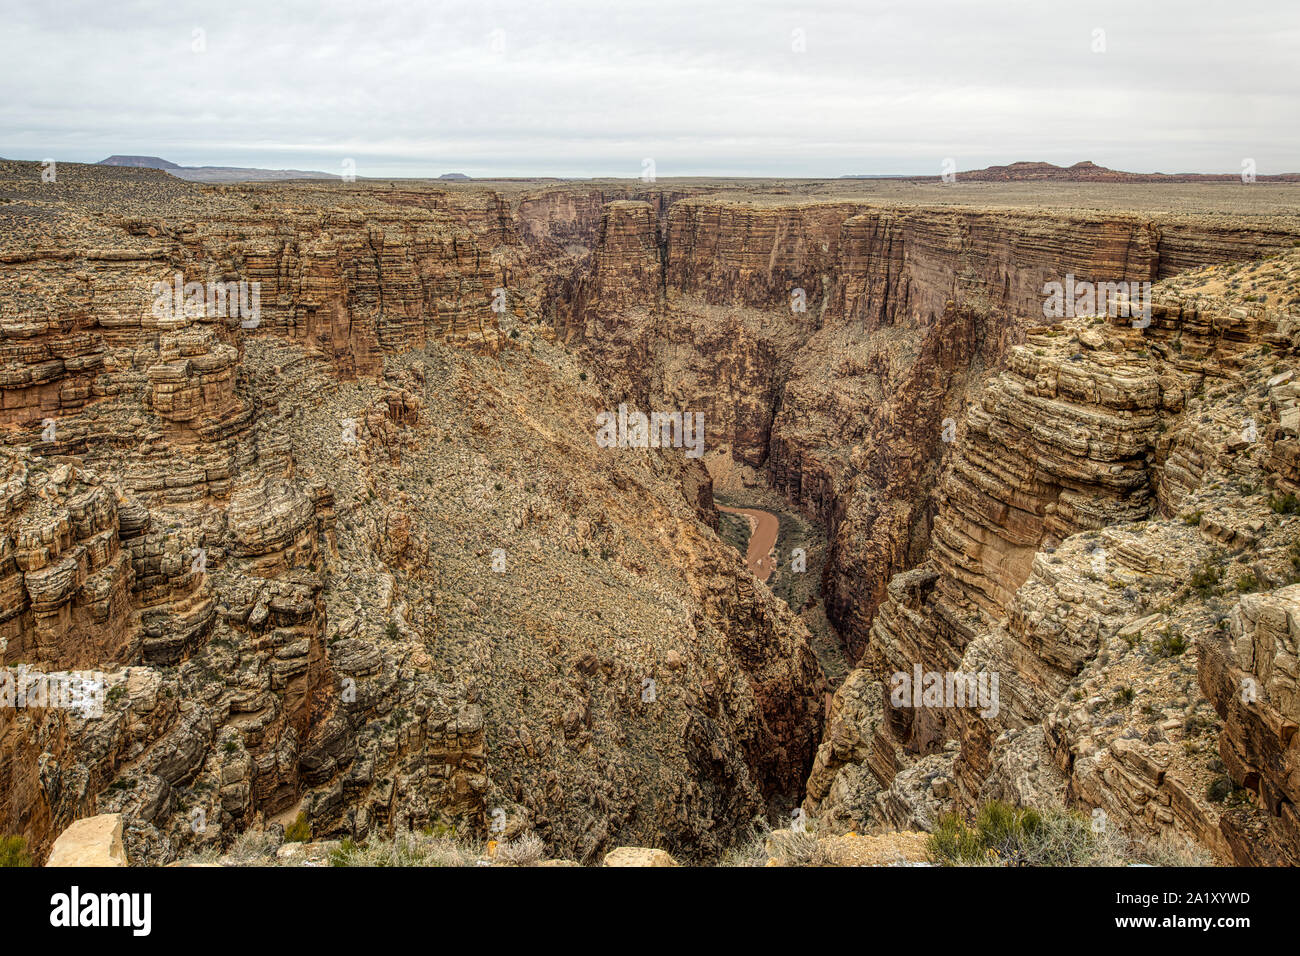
(1116, 539)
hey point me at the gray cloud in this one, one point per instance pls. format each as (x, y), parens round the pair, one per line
(592, 88)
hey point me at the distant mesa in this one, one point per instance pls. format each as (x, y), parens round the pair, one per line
(214, 174)
(454, 176)
(1084, 172)
(144, 162)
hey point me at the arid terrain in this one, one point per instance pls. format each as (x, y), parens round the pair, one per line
(362, 564)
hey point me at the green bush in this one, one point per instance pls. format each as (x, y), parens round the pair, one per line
(1170, 644)
(1206, 578)
(13, 852)
(952, 842)
(1286, 504)
(299, 831)
(1023, 836)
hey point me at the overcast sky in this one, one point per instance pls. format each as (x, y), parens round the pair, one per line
(527, 87)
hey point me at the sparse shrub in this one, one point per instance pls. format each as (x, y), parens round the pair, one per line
(1193, 518)
(952, 843)
(1023, 836)
(1170, 644)
(299, 831)
(1219, 789)
(751, 850)
(1205, 579)
(344, 853)
(1248, 582)
(1195, 724)
(391, 631)
(254, 846)
(1124, 696)
(1174, 849)
(1239, 797)
(13, 852)
(1000, 823)
(1286, 504)
(796, 848)
(525, 850)
(405, 849)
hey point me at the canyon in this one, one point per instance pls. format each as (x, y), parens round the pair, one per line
(365, 563)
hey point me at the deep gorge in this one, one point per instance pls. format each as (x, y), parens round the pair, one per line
(334, 569)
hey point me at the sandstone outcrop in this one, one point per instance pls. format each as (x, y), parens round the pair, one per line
(94, 841)
(638, 856)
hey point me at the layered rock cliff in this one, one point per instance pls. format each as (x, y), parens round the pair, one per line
(355, 552)
(830, 343)
(1110, 505)
(357, 556)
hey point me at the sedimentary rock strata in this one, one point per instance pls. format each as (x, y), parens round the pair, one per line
(358, 556)
(1113, 499)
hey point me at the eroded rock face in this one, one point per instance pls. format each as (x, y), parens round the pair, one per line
(832, 345)
(1250, 674)
(68, 569)
(361, 559)
(1105, 501)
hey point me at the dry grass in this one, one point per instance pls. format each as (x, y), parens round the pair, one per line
(750, 851)
(796, 848)
(526, 850)
(1173, 849)
(407, 849)
(252, 848)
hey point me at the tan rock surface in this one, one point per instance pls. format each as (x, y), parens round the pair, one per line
(91, 841)
(638, 856)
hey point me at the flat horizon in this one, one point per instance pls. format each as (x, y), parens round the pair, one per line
(500, 174)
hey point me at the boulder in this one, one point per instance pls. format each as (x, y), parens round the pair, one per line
(93, 841)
